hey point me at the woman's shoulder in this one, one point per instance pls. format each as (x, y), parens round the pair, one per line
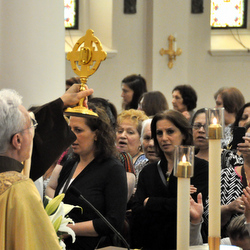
(141, 158)
(228, 172)
(230, 158)
(200, 162)
(111, 162)
(149, 168)
(229, 177)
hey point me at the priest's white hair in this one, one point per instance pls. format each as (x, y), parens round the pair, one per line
(12, 119)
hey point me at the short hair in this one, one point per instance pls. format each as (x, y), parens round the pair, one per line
(138, 84)
(188, 95)
(199, 111)
(179, 120)
(135, 116)
(232, 99)
(105, 142)
(12, 120)
(153, 102)
(108, 107)
(237, 229)
(144, 124)
(218, 92)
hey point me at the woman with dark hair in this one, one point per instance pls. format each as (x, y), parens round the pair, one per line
(243, 116)
(133, 87)
(184, 100)
(232, 157)
(153, 102)
(154, 208)
(100, 177)
(69, 82)
(109, 108)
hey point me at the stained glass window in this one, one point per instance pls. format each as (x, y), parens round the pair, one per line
(71, 14)
(228, 13)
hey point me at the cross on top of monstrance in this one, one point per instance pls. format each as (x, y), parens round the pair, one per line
(85, 59)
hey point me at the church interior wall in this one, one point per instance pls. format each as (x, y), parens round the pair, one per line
(137, 40)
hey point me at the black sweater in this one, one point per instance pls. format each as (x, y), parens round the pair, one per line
(104, 185)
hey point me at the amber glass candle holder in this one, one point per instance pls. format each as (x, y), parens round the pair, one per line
(215, 123)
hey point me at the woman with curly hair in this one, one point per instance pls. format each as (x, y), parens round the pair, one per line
(98, 174)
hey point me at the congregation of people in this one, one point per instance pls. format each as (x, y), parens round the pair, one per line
(122, 163)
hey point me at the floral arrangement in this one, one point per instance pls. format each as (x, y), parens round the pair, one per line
(57, 212)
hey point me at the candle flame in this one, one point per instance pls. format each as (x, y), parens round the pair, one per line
(214, 120)
(184, 159)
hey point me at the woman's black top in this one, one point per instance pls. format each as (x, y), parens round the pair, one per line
(154, 226)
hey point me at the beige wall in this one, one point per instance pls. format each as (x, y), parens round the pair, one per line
(32, 49)
(138, 39)
(32, 55)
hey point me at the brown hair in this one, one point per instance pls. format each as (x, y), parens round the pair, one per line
(188, 95)
(153, 102)
(105, 143)
(232, 99)
(179, 120)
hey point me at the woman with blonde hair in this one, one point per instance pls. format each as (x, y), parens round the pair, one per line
(129, 124)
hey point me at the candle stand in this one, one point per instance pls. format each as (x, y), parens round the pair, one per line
(183, 170)
(215, 125)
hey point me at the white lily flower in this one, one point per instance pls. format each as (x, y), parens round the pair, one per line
(62, 244)
(63, 210)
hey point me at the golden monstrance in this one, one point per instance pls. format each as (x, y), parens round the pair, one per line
(85, 59)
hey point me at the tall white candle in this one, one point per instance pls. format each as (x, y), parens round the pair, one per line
(214, 222)
(183, 213)
(214, 225)
(183, 172)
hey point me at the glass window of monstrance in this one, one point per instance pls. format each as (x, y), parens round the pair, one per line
(228, 14)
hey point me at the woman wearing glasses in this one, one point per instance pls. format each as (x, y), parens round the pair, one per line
(199, 134)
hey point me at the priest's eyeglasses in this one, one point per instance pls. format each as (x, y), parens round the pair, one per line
(34, 125)
(198, 126)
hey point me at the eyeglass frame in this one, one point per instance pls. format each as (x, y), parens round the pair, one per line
(34, 125)
(198, 126)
